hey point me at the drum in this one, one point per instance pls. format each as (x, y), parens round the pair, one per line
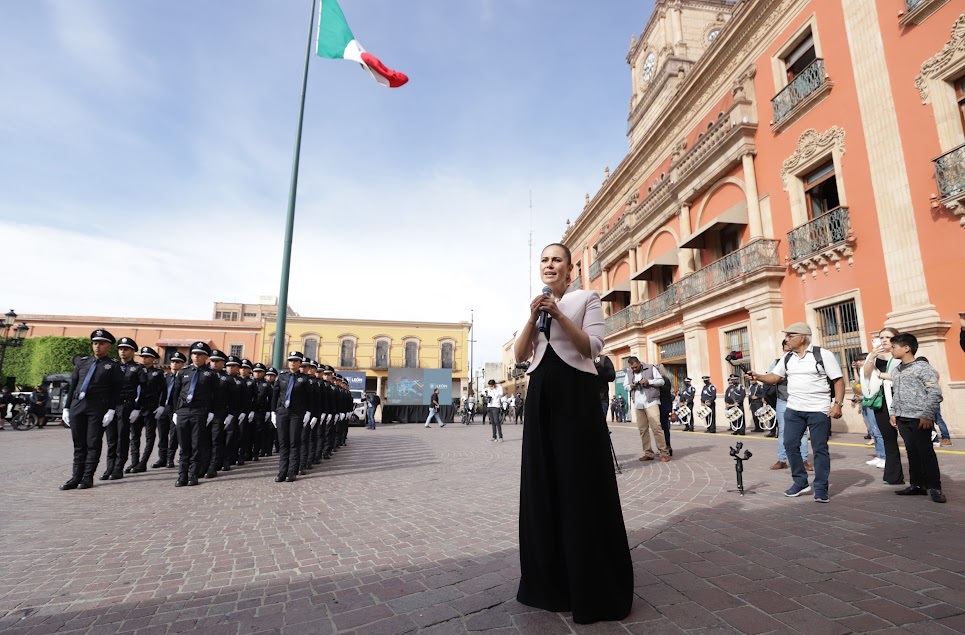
(766, 417)
(683, 415)
(735, 416)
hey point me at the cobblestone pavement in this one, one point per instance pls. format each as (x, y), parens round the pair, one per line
(414, 530)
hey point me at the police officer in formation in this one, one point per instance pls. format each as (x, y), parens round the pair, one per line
(219, 411)
(708, 397)
(92, 399)
(734, 396)
(133, 378)
(196, 391)
(167, 445)
(687, 395)
(153, 393)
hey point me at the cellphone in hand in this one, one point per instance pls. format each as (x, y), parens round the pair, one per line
(875, 342)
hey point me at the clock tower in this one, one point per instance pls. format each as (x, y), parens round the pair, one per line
(678, 33)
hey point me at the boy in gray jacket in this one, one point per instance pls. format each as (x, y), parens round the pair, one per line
(914, 406)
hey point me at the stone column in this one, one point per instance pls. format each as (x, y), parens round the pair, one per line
(607, 306)
(753, 198)
(678, 34)
(685, 257)
(634, 291)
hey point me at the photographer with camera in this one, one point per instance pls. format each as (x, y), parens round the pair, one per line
(643, 382)
(811, 374)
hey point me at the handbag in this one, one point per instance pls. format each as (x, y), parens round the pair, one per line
(875, 402)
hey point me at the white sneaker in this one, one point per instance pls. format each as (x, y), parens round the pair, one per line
(880, 463)
(873, 461)
(499, 440)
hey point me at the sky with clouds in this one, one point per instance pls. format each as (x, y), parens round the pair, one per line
(146, 147)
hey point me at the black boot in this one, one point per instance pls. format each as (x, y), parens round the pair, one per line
(87, 480)
(75, 478)
(108, 470)
(159, 463)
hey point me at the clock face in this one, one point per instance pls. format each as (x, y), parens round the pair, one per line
(713, 35)
(648, 67)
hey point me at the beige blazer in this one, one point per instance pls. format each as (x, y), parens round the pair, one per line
(583, 307)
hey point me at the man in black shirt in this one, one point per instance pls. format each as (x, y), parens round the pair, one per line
(91, 403)
(167, 433)
(119, 429)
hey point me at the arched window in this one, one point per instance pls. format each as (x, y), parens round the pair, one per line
(382, 354)
(346, 358)
(311, 347)
(446, 357)
(412, 354)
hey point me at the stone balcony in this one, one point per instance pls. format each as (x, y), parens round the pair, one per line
(822, 241)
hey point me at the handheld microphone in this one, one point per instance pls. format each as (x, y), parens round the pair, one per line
(545, 319)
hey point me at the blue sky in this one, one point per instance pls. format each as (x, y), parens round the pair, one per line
(145, 154)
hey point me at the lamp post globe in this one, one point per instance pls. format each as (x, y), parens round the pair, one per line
(9, 318)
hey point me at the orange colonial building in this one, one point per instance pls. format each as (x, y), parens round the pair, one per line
(164, 335)
(789, 160)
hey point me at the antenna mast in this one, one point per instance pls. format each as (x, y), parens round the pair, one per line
(530, 244)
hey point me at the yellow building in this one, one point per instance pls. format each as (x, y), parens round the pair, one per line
(374, 346)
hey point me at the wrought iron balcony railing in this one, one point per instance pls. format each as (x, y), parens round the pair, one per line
(822, 232)
(950, 172)
(577, 283)
(755, 256)
(619, 320)
(911, 4)
(807, 81)
(655, 307)
(595, 270)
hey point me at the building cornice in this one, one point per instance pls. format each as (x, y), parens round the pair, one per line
(374, 323)
(141, 323)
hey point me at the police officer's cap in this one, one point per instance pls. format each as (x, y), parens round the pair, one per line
(313, 363)
(201, 347)
(271, 371)
(339, 377)
(126, 342)
(178, 357)
(687, 379)
(257, 367)
(218, 354)
(296, 356)
(245, 362)
(147, 351)
(327, 370)
(706, 377)
(233, 361)
(100, 335)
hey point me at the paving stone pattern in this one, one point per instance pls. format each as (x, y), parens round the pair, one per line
(414, 530)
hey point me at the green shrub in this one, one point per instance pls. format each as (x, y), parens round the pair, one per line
(39, 356)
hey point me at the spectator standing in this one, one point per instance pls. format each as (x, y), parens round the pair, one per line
(868, 413)
(779, 395)
(811, 372)
(643, 382)
(520, 405)
(372, 401)
(914, 407)
(494, 396)
(38, 404)
(6, 401)
(875, 381)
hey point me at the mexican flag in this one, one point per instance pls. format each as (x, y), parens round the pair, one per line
(335, 41)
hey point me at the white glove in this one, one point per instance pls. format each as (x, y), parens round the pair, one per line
(174, 418)
(134, 415)
(66, 416)
(251, 416)
(270, 416)
(241, 418)
(307, 416)
(108, 417)
(274, 419)
(210, 417)
(313, 422)
(228, 420)
(159, 412)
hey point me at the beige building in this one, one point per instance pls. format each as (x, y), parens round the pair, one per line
(265, 311)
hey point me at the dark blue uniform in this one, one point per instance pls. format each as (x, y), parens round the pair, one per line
(708, 397)
(290, 408)
(192, 412)
(88, 407)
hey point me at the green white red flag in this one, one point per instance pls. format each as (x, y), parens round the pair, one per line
(335, 41)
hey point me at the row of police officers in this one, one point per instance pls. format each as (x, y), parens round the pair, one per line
(734, 396)
(219, 410)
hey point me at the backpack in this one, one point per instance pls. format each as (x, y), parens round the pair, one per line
(819, 364)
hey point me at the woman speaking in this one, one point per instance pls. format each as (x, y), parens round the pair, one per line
(573, 547)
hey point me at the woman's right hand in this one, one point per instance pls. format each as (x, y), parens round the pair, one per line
(534, 308)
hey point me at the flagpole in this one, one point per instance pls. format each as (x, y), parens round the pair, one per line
(281, 320)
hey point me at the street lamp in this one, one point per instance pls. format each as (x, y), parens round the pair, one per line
(19, 333)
